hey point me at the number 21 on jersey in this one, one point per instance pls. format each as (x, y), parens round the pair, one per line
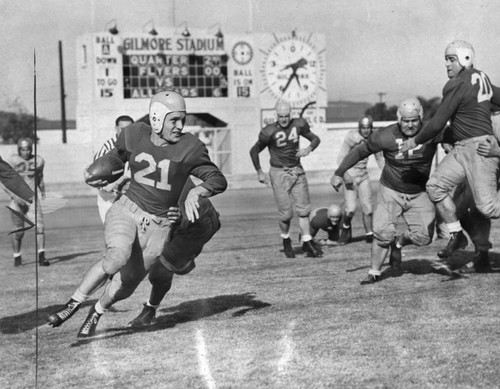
(281, 138)
(163, 165)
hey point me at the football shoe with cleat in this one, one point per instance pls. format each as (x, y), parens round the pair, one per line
(90, 324)
(457, 241)
(370, 279)
(287, 248)
(59, 317)
(310, 249)
(146, 318)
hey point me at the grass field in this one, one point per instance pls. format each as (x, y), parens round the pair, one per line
(247, 317)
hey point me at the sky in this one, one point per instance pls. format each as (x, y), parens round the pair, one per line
(376, 49)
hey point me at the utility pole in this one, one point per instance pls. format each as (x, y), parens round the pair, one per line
(63, 95)
(381, 96)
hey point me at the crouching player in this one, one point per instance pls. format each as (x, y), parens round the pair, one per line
(402, 187)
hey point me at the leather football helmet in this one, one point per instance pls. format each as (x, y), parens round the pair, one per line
(409, 108)
(161, 105)
(464, 52)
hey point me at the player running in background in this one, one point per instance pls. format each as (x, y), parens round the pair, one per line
(357, 182)
(466, 103)
(327, 219)
(30, 167)
(401, 190)
(108, 194)
(137, 226)
(287, 176)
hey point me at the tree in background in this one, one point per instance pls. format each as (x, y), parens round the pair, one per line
(14, 126)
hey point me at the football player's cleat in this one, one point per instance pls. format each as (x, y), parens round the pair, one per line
(146, 318)
(457, 241)
(59, 317)
(370, 279)
(18, 261)
(345, 235)
(90, 324)
(311, 250)
(480, 264)
(42, 261)
(104, 170)
(287, 247)
(395, 256)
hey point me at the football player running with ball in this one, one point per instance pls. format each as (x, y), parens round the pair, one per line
(138, 225)
(466, 103)
(402, 187)
(288, 178)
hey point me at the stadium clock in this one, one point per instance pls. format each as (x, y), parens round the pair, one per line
(242, 53)
(293, 69)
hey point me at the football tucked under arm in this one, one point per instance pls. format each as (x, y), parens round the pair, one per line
(104, 170)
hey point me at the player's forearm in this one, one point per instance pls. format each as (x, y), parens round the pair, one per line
(254, 155)
(214, 182)
(14, 182)
(315, 141)
(357, 154)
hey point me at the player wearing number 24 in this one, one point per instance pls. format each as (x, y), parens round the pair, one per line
(138, 225)
(287, 176)
(467, 98)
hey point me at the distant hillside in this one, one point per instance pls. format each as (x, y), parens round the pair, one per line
(345, 111)
(44, 124)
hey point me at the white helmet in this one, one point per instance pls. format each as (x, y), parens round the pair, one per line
(283, 108)
(334, 211)
(161, 105)
(410, 108)
(24, 142)
(464, 52)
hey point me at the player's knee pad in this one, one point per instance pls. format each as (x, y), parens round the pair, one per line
(286, 214)
(383, 240)
(178, 268)
(114, 259)
(18, 235)
(435, 191)
(304, 212)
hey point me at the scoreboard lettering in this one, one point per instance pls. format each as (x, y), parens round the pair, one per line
(189, 74)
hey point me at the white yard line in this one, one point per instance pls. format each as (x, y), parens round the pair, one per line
(203, 360)
(288, 346)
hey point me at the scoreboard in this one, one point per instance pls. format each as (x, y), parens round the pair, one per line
(189, 74)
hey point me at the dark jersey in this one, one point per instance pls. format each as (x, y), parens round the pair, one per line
(466, 104)
(283, 143)
(158, 174)
(403, 172)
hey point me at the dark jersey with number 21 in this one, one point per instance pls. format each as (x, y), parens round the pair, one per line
(403, 172)
(158, 174)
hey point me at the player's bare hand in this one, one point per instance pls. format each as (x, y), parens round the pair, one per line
(336, 182)
(488, 148)
(408, 145)
(261, 176)
(192, 204)
(174, 215)
(303, 152)
(348, 178)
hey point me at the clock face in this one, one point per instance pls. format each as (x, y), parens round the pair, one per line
(293, 70)
(242, 53)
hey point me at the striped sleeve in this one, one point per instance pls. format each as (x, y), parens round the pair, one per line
(106, 147)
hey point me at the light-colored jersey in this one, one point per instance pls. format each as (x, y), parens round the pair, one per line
(31, 170)
(358, 172)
